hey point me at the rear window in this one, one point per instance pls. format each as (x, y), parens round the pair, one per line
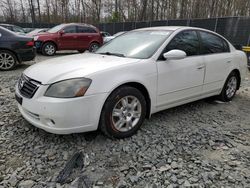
(213, 44)
(70, 29)
(84, 29)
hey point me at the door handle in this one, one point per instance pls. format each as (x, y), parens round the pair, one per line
(229, 61)
(200, 67)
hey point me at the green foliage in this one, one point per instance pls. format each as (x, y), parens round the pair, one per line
(116, 17)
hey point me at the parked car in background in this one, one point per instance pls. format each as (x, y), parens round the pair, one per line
(246, 49)
(14, 28)
(105, 34)
(71, 36)
(14, 49)
(36, 31)
(109, 38)
(128, 79)
(28, 29)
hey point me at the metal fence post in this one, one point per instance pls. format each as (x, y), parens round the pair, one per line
(248, 42)
(215, 27)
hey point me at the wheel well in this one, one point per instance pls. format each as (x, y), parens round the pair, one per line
(50, 42)
(237, 72)
(145, 93)
(94, 42)
(17, 57)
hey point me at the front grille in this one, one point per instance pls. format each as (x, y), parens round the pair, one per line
(28, 86)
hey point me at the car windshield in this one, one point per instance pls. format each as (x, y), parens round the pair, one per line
(56, 28)
(135, 44)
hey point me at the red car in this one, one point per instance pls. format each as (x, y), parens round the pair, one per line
(71, 36)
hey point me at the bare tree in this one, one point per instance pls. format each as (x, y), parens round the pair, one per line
(96, 11)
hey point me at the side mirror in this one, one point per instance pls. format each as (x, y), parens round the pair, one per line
(61, 32)
(174, 55)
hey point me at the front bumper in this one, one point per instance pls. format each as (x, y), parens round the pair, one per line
(38, 45)
(62, 116)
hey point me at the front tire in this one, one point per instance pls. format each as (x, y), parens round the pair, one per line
(49, 49)
(8, 60)
(230, 88)
(123, 112)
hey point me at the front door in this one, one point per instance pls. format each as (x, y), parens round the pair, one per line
(180, 80)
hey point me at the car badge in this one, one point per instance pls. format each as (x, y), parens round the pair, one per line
(21, 83)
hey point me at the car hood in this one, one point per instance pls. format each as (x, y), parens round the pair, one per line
(72, 66)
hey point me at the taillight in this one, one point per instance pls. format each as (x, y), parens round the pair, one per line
(30, 43)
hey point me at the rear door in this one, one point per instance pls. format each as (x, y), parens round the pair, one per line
(69, 39)
(85, 36)
(217, 59)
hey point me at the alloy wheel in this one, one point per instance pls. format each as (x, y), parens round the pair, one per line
(7, 61)
(93, 47)
(49, 49)
(126, 113)
(231, 87)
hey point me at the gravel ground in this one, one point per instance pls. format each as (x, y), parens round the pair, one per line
(202, 144)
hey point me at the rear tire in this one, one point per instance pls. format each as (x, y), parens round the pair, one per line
(8, 60)
(230, 87)
(93, 47)
(123, 113)
(49, 49)
(81, 51)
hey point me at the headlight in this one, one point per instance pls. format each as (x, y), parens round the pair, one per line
(35, 38)
(68, 88)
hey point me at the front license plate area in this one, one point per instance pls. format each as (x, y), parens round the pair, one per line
(19, 99)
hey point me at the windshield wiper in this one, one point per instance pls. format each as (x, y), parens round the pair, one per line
(110, 53)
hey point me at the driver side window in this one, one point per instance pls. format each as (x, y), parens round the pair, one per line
(186, 41)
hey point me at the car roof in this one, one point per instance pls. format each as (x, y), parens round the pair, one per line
(79, 24)
(2, 24)
(172, 28)
(6, 31)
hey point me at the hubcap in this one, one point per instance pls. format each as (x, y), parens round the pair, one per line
(6, 61)
(94, 47)
(49, 49)
(231, 87)
(126, 113)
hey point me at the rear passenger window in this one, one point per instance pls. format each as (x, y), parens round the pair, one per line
(83, 29)
(70, 29)
(186, 41)
(213, 44)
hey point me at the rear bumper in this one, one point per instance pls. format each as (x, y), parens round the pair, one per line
(27, 54)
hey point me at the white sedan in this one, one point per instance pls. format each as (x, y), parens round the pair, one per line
(128, 79)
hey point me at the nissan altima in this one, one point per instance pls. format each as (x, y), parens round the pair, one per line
(127, 80)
